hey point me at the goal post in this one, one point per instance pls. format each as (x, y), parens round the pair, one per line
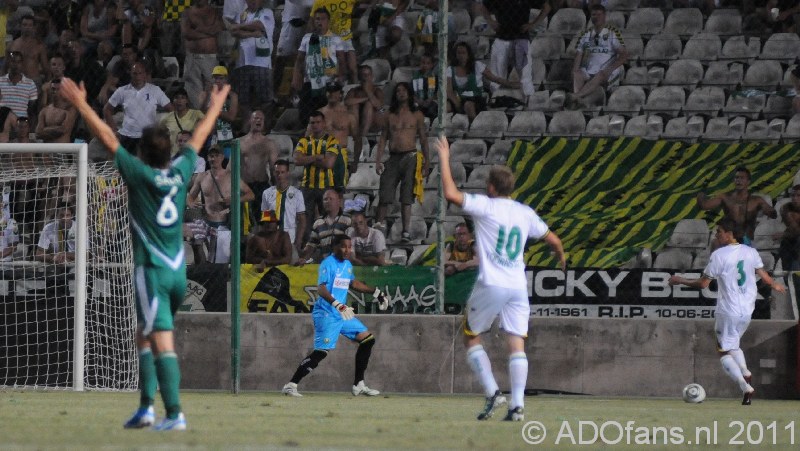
(67, 322)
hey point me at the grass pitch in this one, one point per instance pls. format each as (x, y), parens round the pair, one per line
(68, 420)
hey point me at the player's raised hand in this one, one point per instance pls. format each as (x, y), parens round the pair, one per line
(345, 310)
(72, 92)
(443, 147)
(218, 95)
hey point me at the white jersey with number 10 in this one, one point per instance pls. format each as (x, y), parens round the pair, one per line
(501, 228)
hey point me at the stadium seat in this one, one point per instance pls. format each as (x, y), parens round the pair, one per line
(684, 22)
(616, 19)
(567, 22)
(468, 151)
(634, 45)
(777, 106)
(540, 101)
(705, 47)
(718, 129)
(416, 254)
(418, 231)
(289, 122)
(488, 125)
(667, 100)
(768, 259)
(426, 209)
(526, 125)
(679, 259)
(188, 253)
(701, 259)
(662, 48)
(533, 75)
(456, 126)
(684, 128)
(724, 22)
(457, 170)
(738, 125)
(689, 233)
(365, 179)
(567, 124)
(172, 69)
(737, 48)
(763, 131)
(559, 75)
(400, 52)
(477, 178)
(460, 22)
(648, 77)
(792, 131)
(399, 256)
(783, 47)
(749, 107)
(768, 234)
(645, 21)
(724, 74)
(547, 47)
(626, 101)
(645, 126)
(403, 73)
(622, 5)
(381, 70)
(764, 75)
(284, 144)
(498, 153)
(449, 226)
(684, 73)
(707, 100)
(605, 126)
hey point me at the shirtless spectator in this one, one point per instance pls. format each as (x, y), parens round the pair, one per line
(268, 246)
(342, 124)
(366, 102)
(738, 205)
(119, 74)
(259, 154)
(34, 62)
(200, 25)
(57, 120)
(57, 67)
(406, 166)
(369, 244)
(212, 191)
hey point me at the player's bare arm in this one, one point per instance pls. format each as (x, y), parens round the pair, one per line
(76, 95)
(765, 277)
(557, 247)
(206, 124)
(451, 191)
(702, 282)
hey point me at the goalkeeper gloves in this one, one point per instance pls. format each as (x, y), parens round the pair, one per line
(381, 298)
(344, 310)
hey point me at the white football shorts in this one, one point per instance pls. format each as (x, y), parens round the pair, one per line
(487, 302)
(729, 330)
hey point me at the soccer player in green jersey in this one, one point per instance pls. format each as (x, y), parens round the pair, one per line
(157, 196)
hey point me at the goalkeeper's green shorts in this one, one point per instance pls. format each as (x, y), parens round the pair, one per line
(159, 292)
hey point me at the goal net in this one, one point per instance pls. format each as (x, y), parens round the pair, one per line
(67, 318)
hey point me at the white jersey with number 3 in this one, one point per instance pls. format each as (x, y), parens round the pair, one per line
(734, 266)
(502, 226)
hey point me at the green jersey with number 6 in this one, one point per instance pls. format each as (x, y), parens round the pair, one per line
(501, 228)
(157, 198)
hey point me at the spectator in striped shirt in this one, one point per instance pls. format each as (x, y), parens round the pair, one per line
(19, 92)
(320, 245)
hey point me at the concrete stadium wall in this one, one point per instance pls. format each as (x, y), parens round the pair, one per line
(424, 354)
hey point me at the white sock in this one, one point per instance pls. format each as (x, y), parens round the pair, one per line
(479, 362)
(738, 356)
(732, 368)
(518, 374)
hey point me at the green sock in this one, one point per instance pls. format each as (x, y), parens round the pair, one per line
(169, 380)
(148, 382)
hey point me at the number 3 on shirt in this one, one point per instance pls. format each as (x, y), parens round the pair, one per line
(168, 212)
(742, 276)
(512, 244)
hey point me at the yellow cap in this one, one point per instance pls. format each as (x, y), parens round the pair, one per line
(220, 70)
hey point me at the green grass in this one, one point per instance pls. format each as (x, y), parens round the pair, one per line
(69, 420)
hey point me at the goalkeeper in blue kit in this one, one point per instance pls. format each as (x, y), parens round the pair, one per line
(156, 188)
(332, 316)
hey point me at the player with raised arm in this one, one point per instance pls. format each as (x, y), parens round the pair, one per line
(157, 197)
(332, 316)
(502, 225)
(733, 265)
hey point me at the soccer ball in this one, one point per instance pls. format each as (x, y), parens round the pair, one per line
(694, 393)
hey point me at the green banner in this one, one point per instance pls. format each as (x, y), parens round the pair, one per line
(607, 199)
